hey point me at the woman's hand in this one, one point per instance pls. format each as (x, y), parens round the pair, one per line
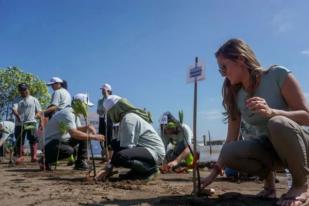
(172, 164)
(209, 179)
(260, 106)
(216, 170)
(104, 174)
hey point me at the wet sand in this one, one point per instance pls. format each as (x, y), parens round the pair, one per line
(27, 185)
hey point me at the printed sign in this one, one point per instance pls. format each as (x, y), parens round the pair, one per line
(195, 73)
(163, 120)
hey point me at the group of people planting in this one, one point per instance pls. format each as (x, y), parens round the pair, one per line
(269, 100)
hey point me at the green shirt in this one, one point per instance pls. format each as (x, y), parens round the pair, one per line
(269, 88)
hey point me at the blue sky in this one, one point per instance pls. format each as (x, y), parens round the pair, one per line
(143, 48)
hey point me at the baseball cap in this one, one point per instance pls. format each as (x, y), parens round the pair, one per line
(54, 80)
(22, 87)
(107, 87)
(110, 101)
(84, 98)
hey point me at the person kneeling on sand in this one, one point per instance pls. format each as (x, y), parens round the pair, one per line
(271, 101)
(140, 147)
(6, 131)
(179, 136)
(64, 131)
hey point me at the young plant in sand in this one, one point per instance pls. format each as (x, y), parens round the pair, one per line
(195, 156)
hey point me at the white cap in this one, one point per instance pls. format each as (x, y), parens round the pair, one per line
(54, 80)
(110, 101)
(107, 87)
(84, 98)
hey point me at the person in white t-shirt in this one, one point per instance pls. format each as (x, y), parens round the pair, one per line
(64, 134)
(27, 112)
(61, 98)
(6, 131)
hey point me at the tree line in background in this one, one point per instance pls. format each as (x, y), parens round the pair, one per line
(10, 77)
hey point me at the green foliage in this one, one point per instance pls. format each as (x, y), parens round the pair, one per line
(64, 127)
(180, 114)
(10, 77)
(30, 126)
(80, 108)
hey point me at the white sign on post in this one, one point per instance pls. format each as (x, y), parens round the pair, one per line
(163, 120)
(195, 72)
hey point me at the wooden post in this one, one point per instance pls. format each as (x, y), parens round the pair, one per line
(204, 140)
(194, 130)
(210, 143)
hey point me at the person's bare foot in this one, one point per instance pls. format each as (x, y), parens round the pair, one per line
(102, 175)
(269, 190)
(105, 173)
(296, 196)
(267, 193)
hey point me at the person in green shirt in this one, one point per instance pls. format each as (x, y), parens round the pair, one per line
(272, 102)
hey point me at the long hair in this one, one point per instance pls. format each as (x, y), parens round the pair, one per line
(64, 84)
(233, 49)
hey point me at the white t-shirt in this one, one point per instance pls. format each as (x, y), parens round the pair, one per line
(7, 129)
(61, 98)
(27, 108)
(64, 118)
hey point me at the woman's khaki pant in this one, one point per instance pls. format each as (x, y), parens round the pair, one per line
(286, 147)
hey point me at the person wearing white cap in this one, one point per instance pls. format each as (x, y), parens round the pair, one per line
(140, 147)
(64, 132)
(178, 135)
(61, 98)
(6, 130)
(105, 123)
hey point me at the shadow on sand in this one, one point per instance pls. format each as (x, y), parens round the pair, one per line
(227, 199)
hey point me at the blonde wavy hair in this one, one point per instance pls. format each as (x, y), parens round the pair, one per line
(233, 49)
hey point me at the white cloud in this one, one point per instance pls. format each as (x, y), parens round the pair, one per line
(305, 52)
(282, 22)
(211, 115)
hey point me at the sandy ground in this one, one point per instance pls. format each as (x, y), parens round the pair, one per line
(27, 185)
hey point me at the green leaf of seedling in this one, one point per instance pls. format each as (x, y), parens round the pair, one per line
(180, 114)
(64, 128)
